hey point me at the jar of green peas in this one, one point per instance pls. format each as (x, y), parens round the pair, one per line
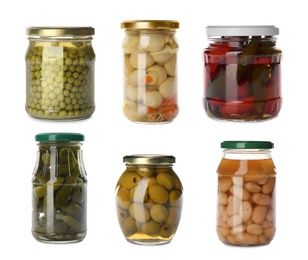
(60, 73)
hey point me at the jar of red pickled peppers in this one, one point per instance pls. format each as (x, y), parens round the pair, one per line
(242, 71)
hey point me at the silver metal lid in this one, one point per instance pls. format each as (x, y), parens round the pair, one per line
(246, 30)
(157, 159)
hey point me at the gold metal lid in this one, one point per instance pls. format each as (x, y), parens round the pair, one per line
(147, 159)
(150, 25)
(60, 31)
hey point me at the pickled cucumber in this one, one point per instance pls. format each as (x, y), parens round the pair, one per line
(59, 195)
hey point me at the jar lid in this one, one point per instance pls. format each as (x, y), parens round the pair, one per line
(60, 31)
(150, 24)
(248, 30)
(59, 137)
(149, 159)
(247, 144)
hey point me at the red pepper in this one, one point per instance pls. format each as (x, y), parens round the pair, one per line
(243, 106)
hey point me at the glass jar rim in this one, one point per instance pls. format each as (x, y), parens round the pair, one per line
(150, 24)
(51, 31)
(59, 137)
(146, 159)
(242, 30)
(247, 145)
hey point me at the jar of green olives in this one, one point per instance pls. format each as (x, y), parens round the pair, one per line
(59, 189)
(60, 73)
(150, 70)
(149, 198)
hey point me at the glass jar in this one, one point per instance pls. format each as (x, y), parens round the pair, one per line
(150, 70)
(246, 211)
(149, 198)
(60, 73)
(59, 189)
(242, 73)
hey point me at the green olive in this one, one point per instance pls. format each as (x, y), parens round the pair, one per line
(122, 214)
(150, 228)
(158, 194)
(123, 198)
(139, 212)
(175, 198)
(138, 194)
(145, 171)
(129, 226)
(130, 179)
(58, 70)
(165, 180)
(159, 213)
(174, 215)
(166, 231)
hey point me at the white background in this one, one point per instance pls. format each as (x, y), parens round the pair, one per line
(193, 138)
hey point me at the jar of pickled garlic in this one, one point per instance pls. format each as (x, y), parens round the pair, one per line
(60, 73)
(242, 71)
(149, 198)
(150, 70)
(59, 189)
(246, 211)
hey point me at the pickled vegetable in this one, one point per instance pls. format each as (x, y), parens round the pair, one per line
(60, 80)
(152, 213)
(150, 73)
(246, 202)
(242, 78)
(59, 195)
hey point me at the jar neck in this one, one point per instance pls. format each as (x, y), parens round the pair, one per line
(140, 32)
(247, 154)
(60, 38)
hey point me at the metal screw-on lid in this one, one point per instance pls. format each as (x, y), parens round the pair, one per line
(248, 30)
(60, 31)
(59, 137)
(150, 24)
(247, 145)
(149, 159)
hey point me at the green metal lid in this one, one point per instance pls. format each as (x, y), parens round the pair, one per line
(59, 137)
(149, 159)
(247, 145)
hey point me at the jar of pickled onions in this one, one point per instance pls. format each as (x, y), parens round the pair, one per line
(242, 73)
(150, 70)
(246, 211)
(149, 199)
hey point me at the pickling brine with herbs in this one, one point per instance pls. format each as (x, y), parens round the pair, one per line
(242, 73)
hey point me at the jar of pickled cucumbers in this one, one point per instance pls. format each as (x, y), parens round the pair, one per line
(149, 198)
(59, 189)
(242, 71)
(60, 73)
(150, 70)
(246, 211)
